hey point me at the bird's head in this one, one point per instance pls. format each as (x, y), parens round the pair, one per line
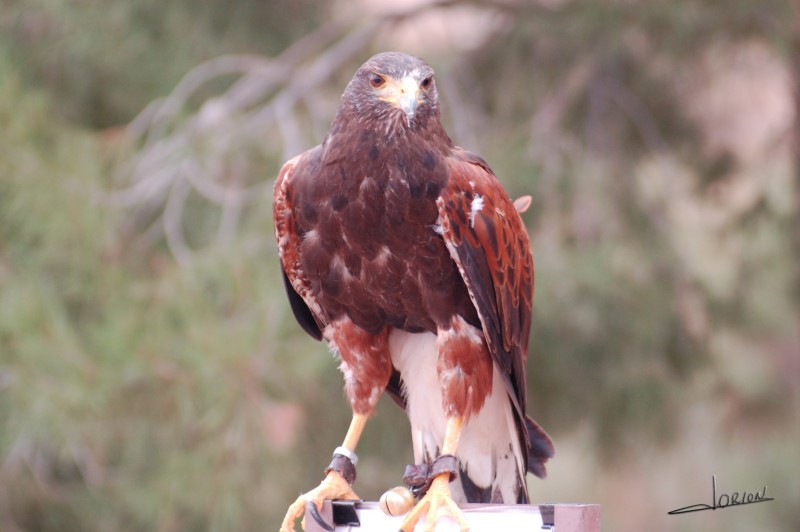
(394, 89)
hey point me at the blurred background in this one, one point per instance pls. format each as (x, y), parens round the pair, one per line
(152, 376)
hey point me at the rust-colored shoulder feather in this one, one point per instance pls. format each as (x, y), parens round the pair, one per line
(487, 239)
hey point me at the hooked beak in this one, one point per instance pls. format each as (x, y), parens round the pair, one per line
(408, 97)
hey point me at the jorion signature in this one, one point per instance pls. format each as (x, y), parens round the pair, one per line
(725, 500)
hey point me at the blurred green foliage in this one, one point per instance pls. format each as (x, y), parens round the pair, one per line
(103, 61)
(139, 392)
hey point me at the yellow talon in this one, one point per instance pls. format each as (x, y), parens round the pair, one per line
(334, 486)
(437, 503)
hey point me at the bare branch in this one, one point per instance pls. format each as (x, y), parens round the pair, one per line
(173, 222)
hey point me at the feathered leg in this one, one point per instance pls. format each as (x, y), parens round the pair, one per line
(437, 502)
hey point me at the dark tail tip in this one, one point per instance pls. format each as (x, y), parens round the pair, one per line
(540, 448)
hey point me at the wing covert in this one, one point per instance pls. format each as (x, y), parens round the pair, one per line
(488, 241)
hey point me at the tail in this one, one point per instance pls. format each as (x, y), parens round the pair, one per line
(492, 454)
(506, 483)
(540, 448)
(507, 479)
(496, 454)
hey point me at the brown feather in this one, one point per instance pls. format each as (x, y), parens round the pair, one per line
(387, 225)
(493, 254)
(492, 251)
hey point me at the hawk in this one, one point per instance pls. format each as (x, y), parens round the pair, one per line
(403, 252)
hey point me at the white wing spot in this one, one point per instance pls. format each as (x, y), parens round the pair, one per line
(475, 208)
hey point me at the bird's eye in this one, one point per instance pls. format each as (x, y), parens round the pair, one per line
(426, 83)
(376, 81)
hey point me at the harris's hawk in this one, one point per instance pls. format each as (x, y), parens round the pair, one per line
(403, 252)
